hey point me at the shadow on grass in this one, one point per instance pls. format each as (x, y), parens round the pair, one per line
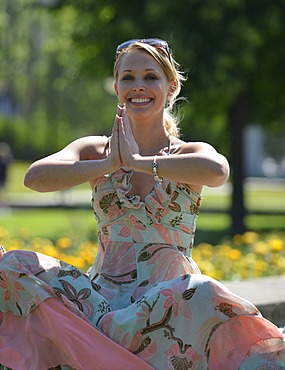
(210, 236)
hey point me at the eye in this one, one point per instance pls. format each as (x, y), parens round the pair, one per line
(127, 77)
(151, 77)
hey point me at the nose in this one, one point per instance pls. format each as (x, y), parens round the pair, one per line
(138, 86)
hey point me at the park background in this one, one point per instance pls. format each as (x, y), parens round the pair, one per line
(56, 85)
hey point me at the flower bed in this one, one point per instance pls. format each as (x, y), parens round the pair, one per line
(246, 255)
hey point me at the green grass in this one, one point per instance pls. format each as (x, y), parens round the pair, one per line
(16, 174)
(15, 182)
(52, 223)
(48, 223)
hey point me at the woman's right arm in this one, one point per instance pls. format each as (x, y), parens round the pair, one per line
(81, 161)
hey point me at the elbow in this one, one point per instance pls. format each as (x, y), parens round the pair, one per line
(31, 180)
(220, 174)
(28, 181)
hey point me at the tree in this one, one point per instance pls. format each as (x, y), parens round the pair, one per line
(233, 49)
(39, 75)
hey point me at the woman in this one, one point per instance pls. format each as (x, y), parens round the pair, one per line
(144, 291)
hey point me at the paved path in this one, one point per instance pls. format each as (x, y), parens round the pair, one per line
(260, 291)
(267, 293)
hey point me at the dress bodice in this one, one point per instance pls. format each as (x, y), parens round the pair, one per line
(141, 242)
(167, 214)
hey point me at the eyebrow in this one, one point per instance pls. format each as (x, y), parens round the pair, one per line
(146, 70)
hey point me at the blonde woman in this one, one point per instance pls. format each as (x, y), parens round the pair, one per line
(144, 303)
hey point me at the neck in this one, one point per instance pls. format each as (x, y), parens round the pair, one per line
(151, 140)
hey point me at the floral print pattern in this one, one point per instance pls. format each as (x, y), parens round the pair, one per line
(144, 291)
(10, 286)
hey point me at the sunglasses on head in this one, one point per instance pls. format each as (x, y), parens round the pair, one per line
(156, 43)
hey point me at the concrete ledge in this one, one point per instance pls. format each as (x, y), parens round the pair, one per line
(274, 313)
(267, 294)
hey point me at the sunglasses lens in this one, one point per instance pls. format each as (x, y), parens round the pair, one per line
(125, 44)
(157, 43)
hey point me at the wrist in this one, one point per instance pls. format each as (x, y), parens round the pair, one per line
(147, 165)
(135, 162)
(155, 170)
(110, 166)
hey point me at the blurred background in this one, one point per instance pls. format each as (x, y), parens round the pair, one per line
(56, 84)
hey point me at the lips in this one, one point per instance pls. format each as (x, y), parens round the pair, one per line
(140, 100)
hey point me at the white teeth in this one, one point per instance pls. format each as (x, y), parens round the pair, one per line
(139, 100)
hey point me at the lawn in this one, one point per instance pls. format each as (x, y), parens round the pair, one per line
(47, 223)
(51, 223)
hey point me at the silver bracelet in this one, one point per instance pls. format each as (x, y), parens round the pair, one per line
(154, 170)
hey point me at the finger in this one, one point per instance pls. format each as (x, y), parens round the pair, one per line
(120, 109)
(120, 125)
(127, 128)
(115, 126)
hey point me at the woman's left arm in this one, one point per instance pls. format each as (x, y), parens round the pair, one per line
(193, 163)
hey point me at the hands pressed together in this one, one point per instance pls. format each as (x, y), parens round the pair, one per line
(123, 145)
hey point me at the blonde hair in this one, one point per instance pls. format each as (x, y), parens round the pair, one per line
(173, 74)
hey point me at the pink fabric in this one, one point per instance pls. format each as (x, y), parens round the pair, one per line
(232, 341)
(68, 340)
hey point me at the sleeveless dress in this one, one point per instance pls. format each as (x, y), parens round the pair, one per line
(143, 304)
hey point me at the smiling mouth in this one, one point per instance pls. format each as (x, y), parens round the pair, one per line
(140, 100)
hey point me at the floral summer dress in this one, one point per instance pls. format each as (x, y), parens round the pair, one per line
(144, 291)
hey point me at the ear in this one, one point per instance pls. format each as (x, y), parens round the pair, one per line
(116, 88)
(172, 87)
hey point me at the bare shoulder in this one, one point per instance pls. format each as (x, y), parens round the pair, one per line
(182, 147)
(87, 148)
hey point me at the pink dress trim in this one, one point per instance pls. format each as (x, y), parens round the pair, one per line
(65, 339)
(233, 340)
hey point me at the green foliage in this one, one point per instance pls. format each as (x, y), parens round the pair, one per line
(58, 56)
(225, 46)
(55, 104)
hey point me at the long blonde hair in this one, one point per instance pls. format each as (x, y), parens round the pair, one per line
(173, 74)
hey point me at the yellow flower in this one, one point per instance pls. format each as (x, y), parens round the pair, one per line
(223, 248)
(88, 257)
(250, 258)
(74, 261)
(281, 263)
(3, 233)
(234, 254)
(217, 274)
(206, 249)
(244, 274)
(260, 266)
(238, 239)
(196, 253)
(261, 248)
(206, 267)
(276, 245)
(23, 233)
(49, 250)
(16, 244)
(64, 243)
(250, 237)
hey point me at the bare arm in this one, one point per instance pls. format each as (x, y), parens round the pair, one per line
(194, 164)
(81, 161)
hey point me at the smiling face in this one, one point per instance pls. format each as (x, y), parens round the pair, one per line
(142, 85)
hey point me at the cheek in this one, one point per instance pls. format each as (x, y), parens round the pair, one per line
(121, 90)
(163, 91)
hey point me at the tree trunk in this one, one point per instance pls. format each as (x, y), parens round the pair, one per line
(237, 117)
